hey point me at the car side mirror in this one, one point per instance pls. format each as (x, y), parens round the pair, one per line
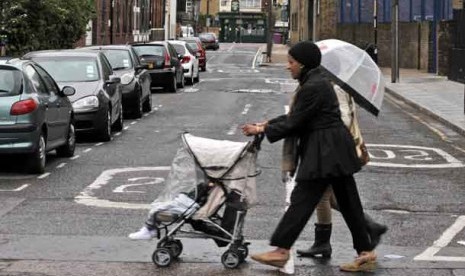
(113, 80)
(180, 57)
(68, 91)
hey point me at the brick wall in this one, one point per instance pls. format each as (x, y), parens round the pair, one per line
(413, 42)
(327, 20)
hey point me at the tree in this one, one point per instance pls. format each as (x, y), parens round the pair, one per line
(43, 24)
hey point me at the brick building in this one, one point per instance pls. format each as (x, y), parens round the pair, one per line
(424, 28)
(125, 21)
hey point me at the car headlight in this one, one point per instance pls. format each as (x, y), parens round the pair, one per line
(87, 103)
(127, 78)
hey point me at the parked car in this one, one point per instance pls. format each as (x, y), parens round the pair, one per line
(209, 40)
(97, 103)
(168, 71)
(196, 44)
(36, 116)
(135, 77)
(187, 31)
(189, 60)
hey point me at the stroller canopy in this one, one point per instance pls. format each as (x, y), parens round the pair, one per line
(216, 157)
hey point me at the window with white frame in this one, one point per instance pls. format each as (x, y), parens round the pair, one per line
(250, 4)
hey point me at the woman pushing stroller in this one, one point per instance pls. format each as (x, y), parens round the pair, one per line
(322, 154)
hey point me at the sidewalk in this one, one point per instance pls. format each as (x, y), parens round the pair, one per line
(434, 95)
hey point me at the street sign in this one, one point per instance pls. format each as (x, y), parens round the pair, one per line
(235, 6)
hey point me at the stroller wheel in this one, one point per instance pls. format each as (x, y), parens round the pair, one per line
(162, 257)
(244, 252)
(231, 259)
(175, 246)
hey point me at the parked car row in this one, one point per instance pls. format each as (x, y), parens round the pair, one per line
(48, 97)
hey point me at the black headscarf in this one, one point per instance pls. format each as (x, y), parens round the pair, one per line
(308, 54)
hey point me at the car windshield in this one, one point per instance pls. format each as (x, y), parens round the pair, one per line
(70, 69)
(119, 59)
(11, 81)
(150, 50)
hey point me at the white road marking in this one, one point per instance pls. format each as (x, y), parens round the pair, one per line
(75, 157)
(22, 187)
(286, 109)
(153, 181)
(246, 109)
(61, 165)
(259, 52)
(126, 128)
(430, 253)
(118, 134)
(89, 149)
(99, 144)
(87, 197)
(415, 153)
(461, 242)
(233, 129)
(133, 123)
(42, 176)
(146, 114)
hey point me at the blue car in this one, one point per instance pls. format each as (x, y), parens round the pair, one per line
(36, 116)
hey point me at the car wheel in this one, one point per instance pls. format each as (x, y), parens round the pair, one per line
(105, 130)
(173, 85)
(197, 79)
(67, 150)
(148, 103)
(139, 111)
(38, 157)
(119, 123)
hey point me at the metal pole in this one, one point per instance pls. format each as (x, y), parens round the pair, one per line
(375, 27)
(269, 42)
(112, 7)
(315, 21)
(208, 14)
(395, 41)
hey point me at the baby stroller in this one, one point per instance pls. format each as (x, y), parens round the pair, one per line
(209, 189)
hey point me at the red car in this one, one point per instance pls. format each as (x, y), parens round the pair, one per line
(209, 40)
(196, 44)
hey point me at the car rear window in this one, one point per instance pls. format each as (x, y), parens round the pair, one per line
(180, 49)
(70, 69)
(150, 50)
(193, 45)
(11, 81)
(207, 36)
(119, 59)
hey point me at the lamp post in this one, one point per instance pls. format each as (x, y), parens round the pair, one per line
(269, 41)
(395, 41)
(207, 22)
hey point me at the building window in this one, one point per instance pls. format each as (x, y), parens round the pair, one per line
(250, 4)
(224, 3)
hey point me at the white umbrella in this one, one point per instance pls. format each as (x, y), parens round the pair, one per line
(354, 70)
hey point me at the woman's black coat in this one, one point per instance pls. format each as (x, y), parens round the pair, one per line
(325, 146)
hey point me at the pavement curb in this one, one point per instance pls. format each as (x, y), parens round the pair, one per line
(426, 111)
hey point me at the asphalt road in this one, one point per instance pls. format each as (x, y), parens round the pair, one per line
(74, 219)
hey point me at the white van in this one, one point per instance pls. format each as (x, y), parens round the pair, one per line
(187, 31)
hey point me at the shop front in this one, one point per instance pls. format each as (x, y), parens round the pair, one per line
(242, 27)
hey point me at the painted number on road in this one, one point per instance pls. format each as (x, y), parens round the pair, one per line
(126, 182)
(405, 156)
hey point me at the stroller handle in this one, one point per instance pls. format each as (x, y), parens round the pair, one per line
(257, 141)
